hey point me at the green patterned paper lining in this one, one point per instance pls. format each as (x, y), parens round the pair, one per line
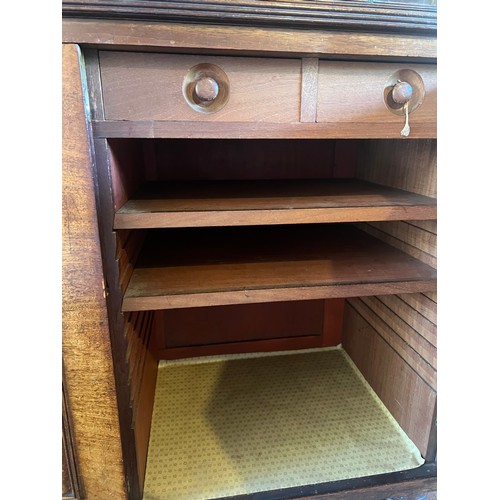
(239, 424)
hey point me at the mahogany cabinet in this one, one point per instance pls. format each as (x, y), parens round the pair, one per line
(236, 179)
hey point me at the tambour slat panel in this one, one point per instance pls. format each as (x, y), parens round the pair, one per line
(423, 304)
(382, 232)
(405, 331)
(142, 378)
(411, 401)
(411, 357)
(414, 315)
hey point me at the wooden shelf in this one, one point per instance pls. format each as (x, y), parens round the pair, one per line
(224, 203)
(216, 266)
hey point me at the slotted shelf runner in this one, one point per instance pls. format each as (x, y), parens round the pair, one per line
(240, 424)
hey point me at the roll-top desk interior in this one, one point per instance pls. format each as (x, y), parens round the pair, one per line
(242, 181)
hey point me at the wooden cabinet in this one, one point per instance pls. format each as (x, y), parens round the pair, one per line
(293, 216)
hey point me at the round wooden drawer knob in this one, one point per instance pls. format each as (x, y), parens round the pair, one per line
(206, 89)
(402, 92)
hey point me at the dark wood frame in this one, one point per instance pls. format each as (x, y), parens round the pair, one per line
(105, 215)
(384, 17)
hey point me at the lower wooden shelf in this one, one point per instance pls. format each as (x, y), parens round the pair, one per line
(216, 266)
(224, 203)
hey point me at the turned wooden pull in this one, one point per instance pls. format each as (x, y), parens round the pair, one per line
(206, 89)
(402, 92)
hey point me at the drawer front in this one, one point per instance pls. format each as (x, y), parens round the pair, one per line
(351, 92)
(147, 86)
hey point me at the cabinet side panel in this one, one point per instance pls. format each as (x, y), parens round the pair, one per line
(411, 401)
(403, 164)
(86, 343)
(404, 326)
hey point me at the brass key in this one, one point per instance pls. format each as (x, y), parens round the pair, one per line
(402, 93)
(406, 129)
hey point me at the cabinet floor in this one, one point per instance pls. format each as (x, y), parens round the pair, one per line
(232, 425)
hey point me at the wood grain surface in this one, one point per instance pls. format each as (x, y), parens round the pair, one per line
(179, 37)
(86, 346)
(244, 159)
(227, 203)
(403, 326)
(382, 361)
(353, 92)
(139, 330)
(149, 87)
(247, 130)
(309, 86)
(249, 328)
(238, 323)
(216, 266)
(397, 338)
(407, 165)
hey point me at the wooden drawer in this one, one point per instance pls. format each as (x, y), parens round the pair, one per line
(353, 93)
(147, 86)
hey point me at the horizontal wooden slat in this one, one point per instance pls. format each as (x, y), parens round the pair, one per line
(382, 308)
(422, 304)
(399, 243)
(417, 311)
(427, 225)
(216, 266)
(241, 130)
(405, 351)
(411, 235)
(176, 37)
(268, 202)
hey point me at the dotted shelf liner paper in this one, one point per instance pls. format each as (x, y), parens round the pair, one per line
(232, 425)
